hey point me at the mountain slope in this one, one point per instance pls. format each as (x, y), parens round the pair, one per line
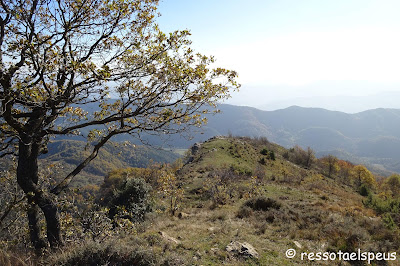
(231, 194)
(64, 155)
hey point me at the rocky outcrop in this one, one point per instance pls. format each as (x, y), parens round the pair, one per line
(169, 238)
(193, 151)
(242, 249)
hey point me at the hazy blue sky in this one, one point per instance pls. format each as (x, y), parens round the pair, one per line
(285, 49)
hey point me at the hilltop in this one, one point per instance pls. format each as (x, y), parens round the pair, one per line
(371, 137)
(298, 207)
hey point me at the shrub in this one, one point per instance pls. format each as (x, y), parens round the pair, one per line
(382, 206)
(364, 190)
(264, 151)
(388, 221)
(240, 170)
(286, 155)
(346, 235)
(171, 189)
(219, 194)
(244, 212)
(305, 158)
(131, 200)
(270, 154)
(259, 141)
(262, 204)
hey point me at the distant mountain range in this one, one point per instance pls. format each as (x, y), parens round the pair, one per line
(345, 96)
(347, 104)
(371, 137)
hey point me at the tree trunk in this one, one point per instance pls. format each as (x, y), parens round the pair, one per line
(50, 210)
(34, 229)
(27, 177)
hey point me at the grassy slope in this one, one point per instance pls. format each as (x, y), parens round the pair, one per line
(320, 213)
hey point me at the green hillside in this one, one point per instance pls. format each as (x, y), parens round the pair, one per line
(65, 155)
(301, 208)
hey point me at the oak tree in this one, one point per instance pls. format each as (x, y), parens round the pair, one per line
(58, 56)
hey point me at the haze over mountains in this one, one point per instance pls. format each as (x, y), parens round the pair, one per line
(347, 104)
(344, 96)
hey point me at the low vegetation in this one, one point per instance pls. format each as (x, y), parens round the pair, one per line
(226, 190)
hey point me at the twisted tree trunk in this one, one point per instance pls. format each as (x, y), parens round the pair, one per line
(27, 176)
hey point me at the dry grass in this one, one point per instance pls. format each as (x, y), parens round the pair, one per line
(297, 205)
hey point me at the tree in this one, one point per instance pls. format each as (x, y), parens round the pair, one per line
(169, 187)
(345, 169)
(302, 157)
(363, 176)
(310, 158)
(331, 163)
(392, 184)
(58, 56)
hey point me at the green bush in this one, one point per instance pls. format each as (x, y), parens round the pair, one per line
(240, 170)
(264, 151)
(270, 154)
(382, 206)
(131, 200)
(364, 190)
(388, 221)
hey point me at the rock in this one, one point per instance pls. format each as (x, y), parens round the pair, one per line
(169, 238)
(195, 148)
(214, 250)
(211, 229)
(242, 249)
(197, 256)
(297, 244)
